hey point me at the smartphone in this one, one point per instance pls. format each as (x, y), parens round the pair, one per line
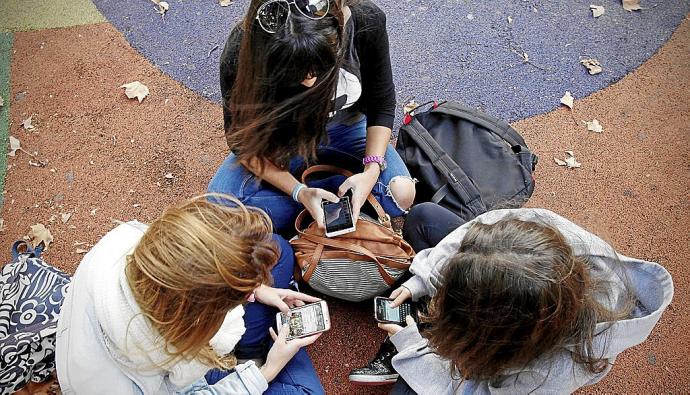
(338, 217)
(383, 312)
(306, 320)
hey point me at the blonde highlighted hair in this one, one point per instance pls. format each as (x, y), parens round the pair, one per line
(199, 260)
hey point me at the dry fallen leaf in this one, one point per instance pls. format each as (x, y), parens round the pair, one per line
(39, 234)
(136, 89)
(597, 10)
(65, 217)
(567, 100)
(631, 5)
(26, 124)
(594, 126)
(569, 162)
(410, 106)
(37, 163)
(14, 146)
(225, 3)
(161, 7)
(592, 65)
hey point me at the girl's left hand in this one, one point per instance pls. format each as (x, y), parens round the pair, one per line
(392, 329)
(361, 185)
(282, 299)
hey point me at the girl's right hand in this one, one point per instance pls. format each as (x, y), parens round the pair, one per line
(400, 295)
(311, 198)
(282, 351)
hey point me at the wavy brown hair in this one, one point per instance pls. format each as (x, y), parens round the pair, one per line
(274, 117)
(513, 292)
(195, 263)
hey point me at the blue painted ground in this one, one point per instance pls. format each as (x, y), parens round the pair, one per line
(447, 49)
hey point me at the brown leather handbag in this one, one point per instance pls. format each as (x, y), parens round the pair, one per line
(355, 266)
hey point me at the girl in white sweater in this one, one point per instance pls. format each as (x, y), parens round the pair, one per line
(152, 309)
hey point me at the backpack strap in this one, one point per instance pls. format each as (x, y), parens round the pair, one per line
(383, 217)
(440, 194)
(497, 126)
(457, 179)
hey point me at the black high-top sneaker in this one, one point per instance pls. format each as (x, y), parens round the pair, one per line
(379, 371)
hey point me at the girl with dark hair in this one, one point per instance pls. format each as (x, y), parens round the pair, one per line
(522, 301)
(305, 81)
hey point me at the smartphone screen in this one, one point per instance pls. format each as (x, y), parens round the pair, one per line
(338, 216)
(385, 313)
(305, 320)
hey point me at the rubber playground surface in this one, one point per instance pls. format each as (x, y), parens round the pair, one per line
(104, 158)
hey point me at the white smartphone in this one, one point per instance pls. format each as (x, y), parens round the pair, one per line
(338, 217)
(306, 320)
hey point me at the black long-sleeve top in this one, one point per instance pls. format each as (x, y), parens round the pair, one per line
(370, 41)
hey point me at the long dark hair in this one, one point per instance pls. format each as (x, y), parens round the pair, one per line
(274, 117)
(515, 291)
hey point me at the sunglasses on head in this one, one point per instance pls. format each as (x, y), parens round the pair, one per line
(273, 14)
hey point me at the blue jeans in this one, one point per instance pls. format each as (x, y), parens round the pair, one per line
(298, 376)
(345, 149)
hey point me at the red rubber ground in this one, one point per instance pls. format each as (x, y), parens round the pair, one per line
(108, 157)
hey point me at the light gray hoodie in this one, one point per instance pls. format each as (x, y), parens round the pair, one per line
(555, 373)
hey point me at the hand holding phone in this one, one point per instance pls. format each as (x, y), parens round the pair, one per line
(312, 199)
(400, 295)
(282, 351)
(393, 329)
(282, 299)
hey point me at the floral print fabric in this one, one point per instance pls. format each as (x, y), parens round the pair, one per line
(31, 292)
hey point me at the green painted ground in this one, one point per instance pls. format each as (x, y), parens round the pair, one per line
(23, 15)
(5, 52)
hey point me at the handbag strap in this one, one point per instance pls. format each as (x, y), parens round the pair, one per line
(313, 262)
(383, 217)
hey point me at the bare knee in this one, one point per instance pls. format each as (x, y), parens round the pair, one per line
(402, 190)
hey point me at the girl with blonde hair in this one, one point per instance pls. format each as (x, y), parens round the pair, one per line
(153, 309)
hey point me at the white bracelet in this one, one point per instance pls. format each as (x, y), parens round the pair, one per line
(296, 190)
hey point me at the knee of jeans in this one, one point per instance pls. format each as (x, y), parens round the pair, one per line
(422, 211)
(417, 215)
(402, 190)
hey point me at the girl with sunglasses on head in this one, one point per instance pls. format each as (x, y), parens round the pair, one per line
(307, 81)
(521, 301)
(174, 307)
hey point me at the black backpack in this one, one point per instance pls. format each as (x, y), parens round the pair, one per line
(465, 160)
